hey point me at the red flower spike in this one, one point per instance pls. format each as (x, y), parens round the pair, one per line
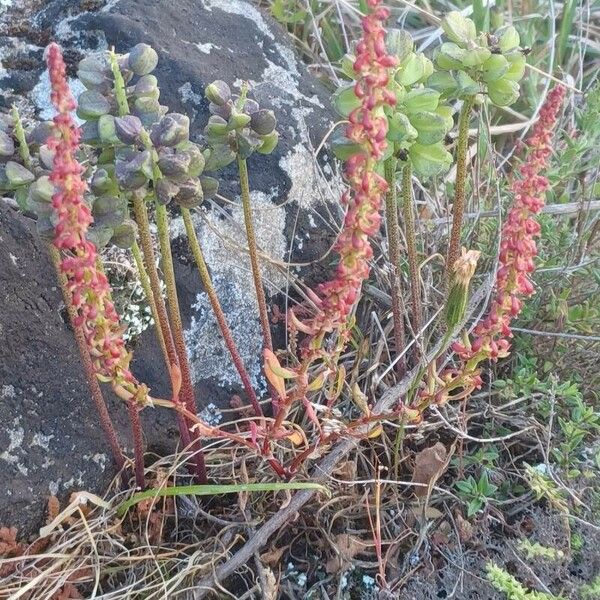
(87, 284)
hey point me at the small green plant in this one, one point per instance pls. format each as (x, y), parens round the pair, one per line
(536, 550)
(476, 493)
(591, 591)
(507, 584)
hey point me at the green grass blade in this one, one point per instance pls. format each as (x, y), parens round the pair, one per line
(215, 490)
(566, 26)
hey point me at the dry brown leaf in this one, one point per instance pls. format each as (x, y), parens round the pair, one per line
(346, 470)
(67, 592)
(430, 463)
(347, 547)
(273, 557)
(53, 509)
(270, 587)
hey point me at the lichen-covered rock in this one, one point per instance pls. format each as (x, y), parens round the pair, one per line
(294, 197)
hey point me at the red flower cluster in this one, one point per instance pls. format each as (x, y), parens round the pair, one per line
(368, 128)
(90, 290)
(517, 246)
(513, 278)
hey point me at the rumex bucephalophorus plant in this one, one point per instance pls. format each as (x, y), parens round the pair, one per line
(132, 161)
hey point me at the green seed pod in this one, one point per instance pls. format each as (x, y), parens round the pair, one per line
(190, 194)
(197, 160)
(421, 99)
(494, 67)
(263, 122)
(517, 63)
(459, 29)
(109, 211)
(508, 39)
(92, 105)
(345, 100)
(218, 92)
(174, 165)
(465, 85)
(413, 69)
(165, 190)
(399, 43)
(106, 130)
(475, 57)
(431, 160)
(146, 106)
(171, 130)
(41, 190)
(503, 92)
(247, 144)
(142, 59)
(7, 146)
(101, 182)
(430, 126)
(400, 129)
(216, 126)
(269, 142)
(147, 87)
(219, 157)
(124, 234)
(238, 121)
(210, 186)
(17, 174)
(128, 129)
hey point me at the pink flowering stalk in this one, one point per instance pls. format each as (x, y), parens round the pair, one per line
(88, 286)
(336, 299)
(368, 128)
(517, 253)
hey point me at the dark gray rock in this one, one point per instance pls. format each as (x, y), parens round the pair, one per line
(197, 41)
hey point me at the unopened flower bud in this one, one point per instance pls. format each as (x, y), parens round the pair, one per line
(128, 129)
(210, 186)
(41, 190)
(174, 165)
(165, 190)
(142, 59)
(263, 122)
(147, 87)
(250, 106)
(171, 130)
(462, 273)
(124, 234)
(17, 174)
(218, 92)
(190, 194)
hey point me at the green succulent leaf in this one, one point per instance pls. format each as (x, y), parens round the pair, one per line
(421, 99)
(503, 92)
(345, 101)
(430, 160)
(495, 67)
(400, 129)
(516, 70)
(508, 38)
(475, 57)
(465, 85)
(430, 126)
(413, 69)
(399, 43)
(459, 29)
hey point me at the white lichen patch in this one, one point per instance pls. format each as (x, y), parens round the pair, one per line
(211, 415)
(188, 95)
(41, 440)
(8, 391)
(223, 243)
(40, 95)
(16, 435)
(207, 48)
(99, 458)
(243, 9)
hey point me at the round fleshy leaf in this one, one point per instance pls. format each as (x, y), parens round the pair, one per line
(269, 142)
(92, 105)
(7, 145)
(429, 161)
(421, 99)
(218, 92)
(142, 59)
(430, 126)
(459, 29)
(345, 100)
(263, 122)
(494, 67)
(503, 92)
(17, 174)
(124, 234)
